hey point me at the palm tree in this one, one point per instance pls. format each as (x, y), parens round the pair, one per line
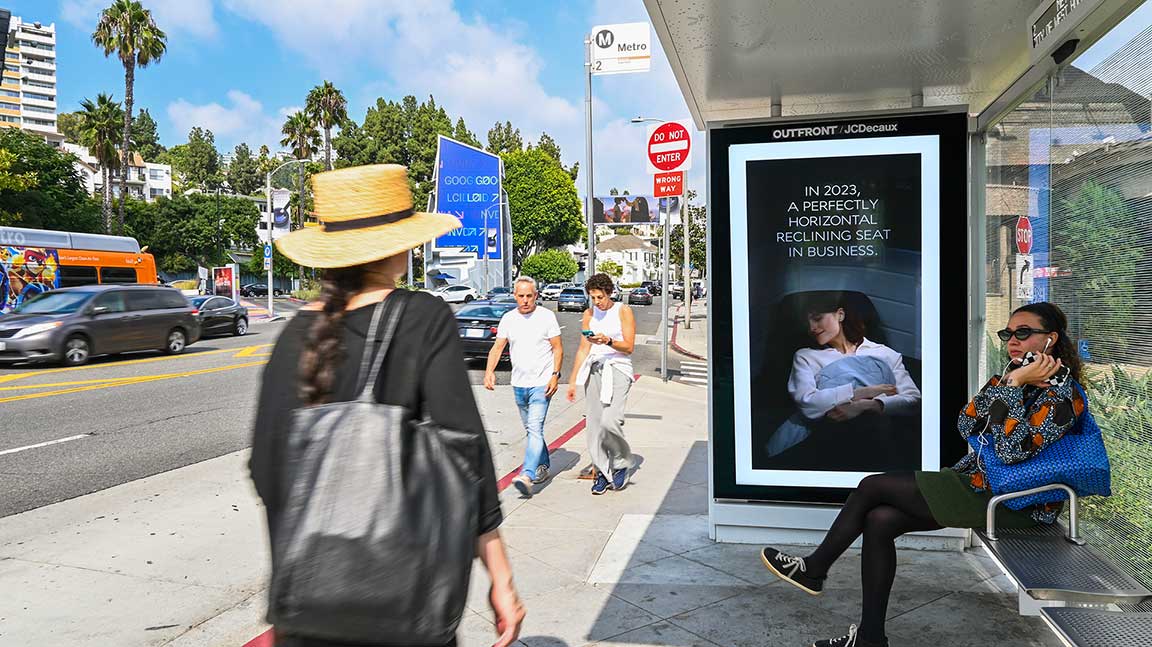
(301, 135)
(127, 28)
(99, 132)
(328, 108)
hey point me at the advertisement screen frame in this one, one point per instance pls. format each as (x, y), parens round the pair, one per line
(948, 315)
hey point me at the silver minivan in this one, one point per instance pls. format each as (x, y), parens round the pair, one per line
(71, 325)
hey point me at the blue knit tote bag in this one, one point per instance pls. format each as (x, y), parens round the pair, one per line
(1078, 459)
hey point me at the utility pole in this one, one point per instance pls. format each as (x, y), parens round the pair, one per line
(685, 216)
(589, 196)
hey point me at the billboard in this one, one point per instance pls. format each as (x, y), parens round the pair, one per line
(226, 281)
(628, 210)
(833, 333)
(468, 186)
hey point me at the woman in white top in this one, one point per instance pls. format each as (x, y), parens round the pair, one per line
(604, 367)
(842, 376)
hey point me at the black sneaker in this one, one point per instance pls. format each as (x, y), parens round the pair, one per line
(850, 640)
(792, 570)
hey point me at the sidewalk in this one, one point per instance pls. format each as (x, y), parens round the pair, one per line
(179, 559)
(691, 342)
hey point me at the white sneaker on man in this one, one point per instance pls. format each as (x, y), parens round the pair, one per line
(523, 484)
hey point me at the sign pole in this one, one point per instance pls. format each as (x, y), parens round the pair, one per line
(271, 224)
(590, 268)
(664, 289)
(687, 265)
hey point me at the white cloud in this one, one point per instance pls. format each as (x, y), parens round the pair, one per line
(244, 120)
(193, 17)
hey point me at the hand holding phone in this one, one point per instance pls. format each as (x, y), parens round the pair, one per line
(587, 333)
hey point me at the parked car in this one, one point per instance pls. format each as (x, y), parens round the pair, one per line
(457, 293)
(640, 296)
(72, 325)
(552, 291)
(258, 290)
(572, 299)
(499, 292)
(617, 294)
(478, 321)
(653, 287)
(221, 316)
(676, 290)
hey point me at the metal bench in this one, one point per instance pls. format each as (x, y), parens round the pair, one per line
(1053, 564)
(1059, 575)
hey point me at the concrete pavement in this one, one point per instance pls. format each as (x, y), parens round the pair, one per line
(180, 558)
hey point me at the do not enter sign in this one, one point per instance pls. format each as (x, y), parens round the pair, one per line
(669, 147)
(1023, 235)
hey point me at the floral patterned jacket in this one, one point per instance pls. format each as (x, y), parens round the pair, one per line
(1019, 422)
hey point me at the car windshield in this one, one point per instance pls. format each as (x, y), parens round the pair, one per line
(553, 287)
(493, 311)
(573, 292)
(501, 291)
(54, 303)
(639, 291)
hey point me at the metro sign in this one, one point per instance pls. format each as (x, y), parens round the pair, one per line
(668, 184)
(669, 147)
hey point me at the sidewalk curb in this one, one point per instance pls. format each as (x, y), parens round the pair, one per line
(676, 347)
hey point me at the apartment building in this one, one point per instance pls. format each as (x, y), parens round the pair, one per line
(146, 180)
(28, 85)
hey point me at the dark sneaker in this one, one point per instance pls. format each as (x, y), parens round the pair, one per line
(850, 640)
(541, 474)
(619, 479)
(523, 484)
(792, 570)
(601, 484)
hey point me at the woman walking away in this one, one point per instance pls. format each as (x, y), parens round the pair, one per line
(1022, 412)
(368, 449)
(604, 367)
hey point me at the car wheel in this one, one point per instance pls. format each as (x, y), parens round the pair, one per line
(77, 350)
(277, 293)
(240, 328)
(177, 342)
(467, 298)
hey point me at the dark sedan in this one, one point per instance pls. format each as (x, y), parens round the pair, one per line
(221, 316)
(258, 290)
(640, 296)
(478, 321)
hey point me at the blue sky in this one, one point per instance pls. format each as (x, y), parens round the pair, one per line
(238, 66)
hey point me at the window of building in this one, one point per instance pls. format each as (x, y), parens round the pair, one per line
(157, 173)
(1075, 159)
(39, 122)
(40, 84)
(11, 68)
(29, 108)
(9, 93)
(12, 56)
(39, 97)
(10, 119)
(156, 193)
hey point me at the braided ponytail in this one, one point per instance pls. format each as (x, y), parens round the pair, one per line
(324, 350)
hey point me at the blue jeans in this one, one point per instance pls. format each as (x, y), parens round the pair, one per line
(533, 405)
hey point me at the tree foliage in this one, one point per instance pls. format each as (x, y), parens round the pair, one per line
(550, 266)
(328, 108)
(465, 136)
(611, 268)
(503, 138)
(69, 125)
(185, 231)
(697, 238)
(244, 173)
(57, 199)
(145, 137)
(195, 164)
(99, 132)
(543, 202)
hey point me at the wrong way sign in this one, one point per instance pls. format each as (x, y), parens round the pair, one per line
(669, 147)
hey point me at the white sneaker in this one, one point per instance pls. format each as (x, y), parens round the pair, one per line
(523, 484)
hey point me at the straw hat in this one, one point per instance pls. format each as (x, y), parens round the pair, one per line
(365, 215)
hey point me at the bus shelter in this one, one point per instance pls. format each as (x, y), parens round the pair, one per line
(918, 168)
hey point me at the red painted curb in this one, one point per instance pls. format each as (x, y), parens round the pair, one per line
(679, 349)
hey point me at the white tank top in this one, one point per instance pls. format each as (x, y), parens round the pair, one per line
(607, 322)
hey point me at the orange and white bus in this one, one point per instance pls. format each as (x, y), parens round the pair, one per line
(37, 260)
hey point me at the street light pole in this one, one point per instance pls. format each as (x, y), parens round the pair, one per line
(590, 268)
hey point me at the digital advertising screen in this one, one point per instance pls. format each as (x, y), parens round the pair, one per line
(831, 239)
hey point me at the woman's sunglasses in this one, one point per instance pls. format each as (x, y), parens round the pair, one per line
(1021, 333)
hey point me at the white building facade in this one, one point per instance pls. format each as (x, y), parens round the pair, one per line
(146, 180)
(28, 86)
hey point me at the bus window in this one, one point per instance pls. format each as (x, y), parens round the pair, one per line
(117, 275)
(75, 275)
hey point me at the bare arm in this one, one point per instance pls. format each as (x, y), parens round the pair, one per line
(628, 323)
(581, 355)
(557, 362)
(493, 361)
(506, 604)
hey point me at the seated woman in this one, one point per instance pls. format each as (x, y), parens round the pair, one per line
(1023, 404)
(841, 375)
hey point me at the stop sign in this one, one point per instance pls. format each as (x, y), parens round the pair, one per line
(1023, 235)
(669, 148)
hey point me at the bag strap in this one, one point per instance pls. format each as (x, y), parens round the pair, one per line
(381, 338)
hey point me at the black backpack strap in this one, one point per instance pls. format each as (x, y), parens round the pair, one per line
(381, 337)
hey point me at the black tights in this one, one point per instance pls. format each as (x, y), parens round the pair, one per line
(883, 507)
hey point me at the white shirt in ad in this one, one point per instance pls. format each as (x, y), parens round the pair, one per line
(814, 403)
(530, 349)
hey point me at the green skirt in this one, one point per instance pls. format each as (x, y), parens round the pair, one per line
(955, 504)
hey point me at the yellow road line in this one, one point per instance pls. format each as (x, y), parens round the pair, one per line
(53, 385)
(130, 362)
(250, 351)
(136, 380)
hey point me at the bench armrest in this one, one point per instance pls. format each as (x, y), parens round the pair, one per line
(1073, 516)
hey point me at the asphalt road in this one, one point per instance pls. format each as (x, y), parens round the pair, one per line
(66, 432)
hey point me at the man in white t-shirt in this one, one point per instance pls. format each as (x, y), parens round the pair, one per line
(537, 354)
